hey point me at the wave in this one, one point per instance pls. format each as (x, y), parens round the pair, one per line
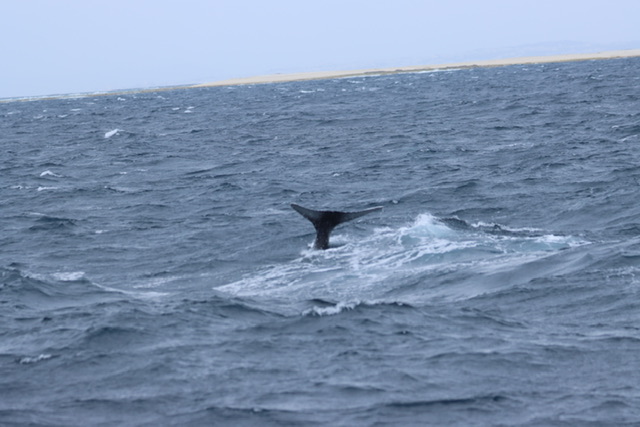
(475, 401)
(222, 306)
(324, 308)
(111, 133)
(46, 222)
(26, 360)
(51, 174)
(427, 258)
(24, 289)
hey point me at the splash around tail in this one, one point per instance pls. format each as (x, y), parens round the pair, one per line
(325, 221)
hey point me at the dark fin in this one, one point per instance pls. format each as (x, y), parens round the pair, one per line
(348, 216)
(326, 221)
(310, 214)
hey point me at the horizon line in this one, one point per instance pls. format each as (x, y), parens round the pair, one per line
(328, 75)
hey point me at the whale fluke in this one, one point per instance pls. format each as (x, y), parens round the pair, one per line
(326, 221)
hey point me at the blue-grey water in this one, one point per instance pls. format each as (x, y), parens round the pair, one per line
(153, 273)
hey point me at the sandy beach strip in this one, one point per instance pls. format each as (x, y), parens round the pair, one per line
(319, 75)
(323, 75)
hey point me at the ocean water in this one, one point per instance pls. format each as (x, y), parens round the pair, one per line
(153, 273)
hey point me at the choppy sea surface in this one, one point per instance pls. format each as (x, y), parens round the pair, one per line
(153, 273)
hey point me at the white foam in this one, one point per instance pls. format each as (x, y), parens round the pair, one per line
(49, 173)
(39, 358)
(482, 224)
(70, 276)
(331, 310)
(635, 136)
(358, 268)
(111, 133)
(343, 306)
(47, 188)
(427, 226)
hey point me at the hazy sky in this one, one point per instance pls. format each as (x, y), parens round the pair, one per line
(70, 46)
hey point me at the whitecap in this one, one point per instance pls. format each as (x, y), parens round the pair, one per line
(49, 173)
(493, 225)
(111, 133)
(331, 310)
(70, 276)
(28, 360)
(343, 306)
(427, 226)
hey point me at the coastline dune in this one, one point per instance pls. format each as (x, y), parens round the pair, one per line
(319, 75)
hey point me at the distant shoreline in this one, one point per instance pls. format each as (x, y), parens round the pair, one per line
(322, 75)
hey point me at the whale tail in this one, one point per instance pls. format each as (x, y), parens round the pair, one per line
(326, 221)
